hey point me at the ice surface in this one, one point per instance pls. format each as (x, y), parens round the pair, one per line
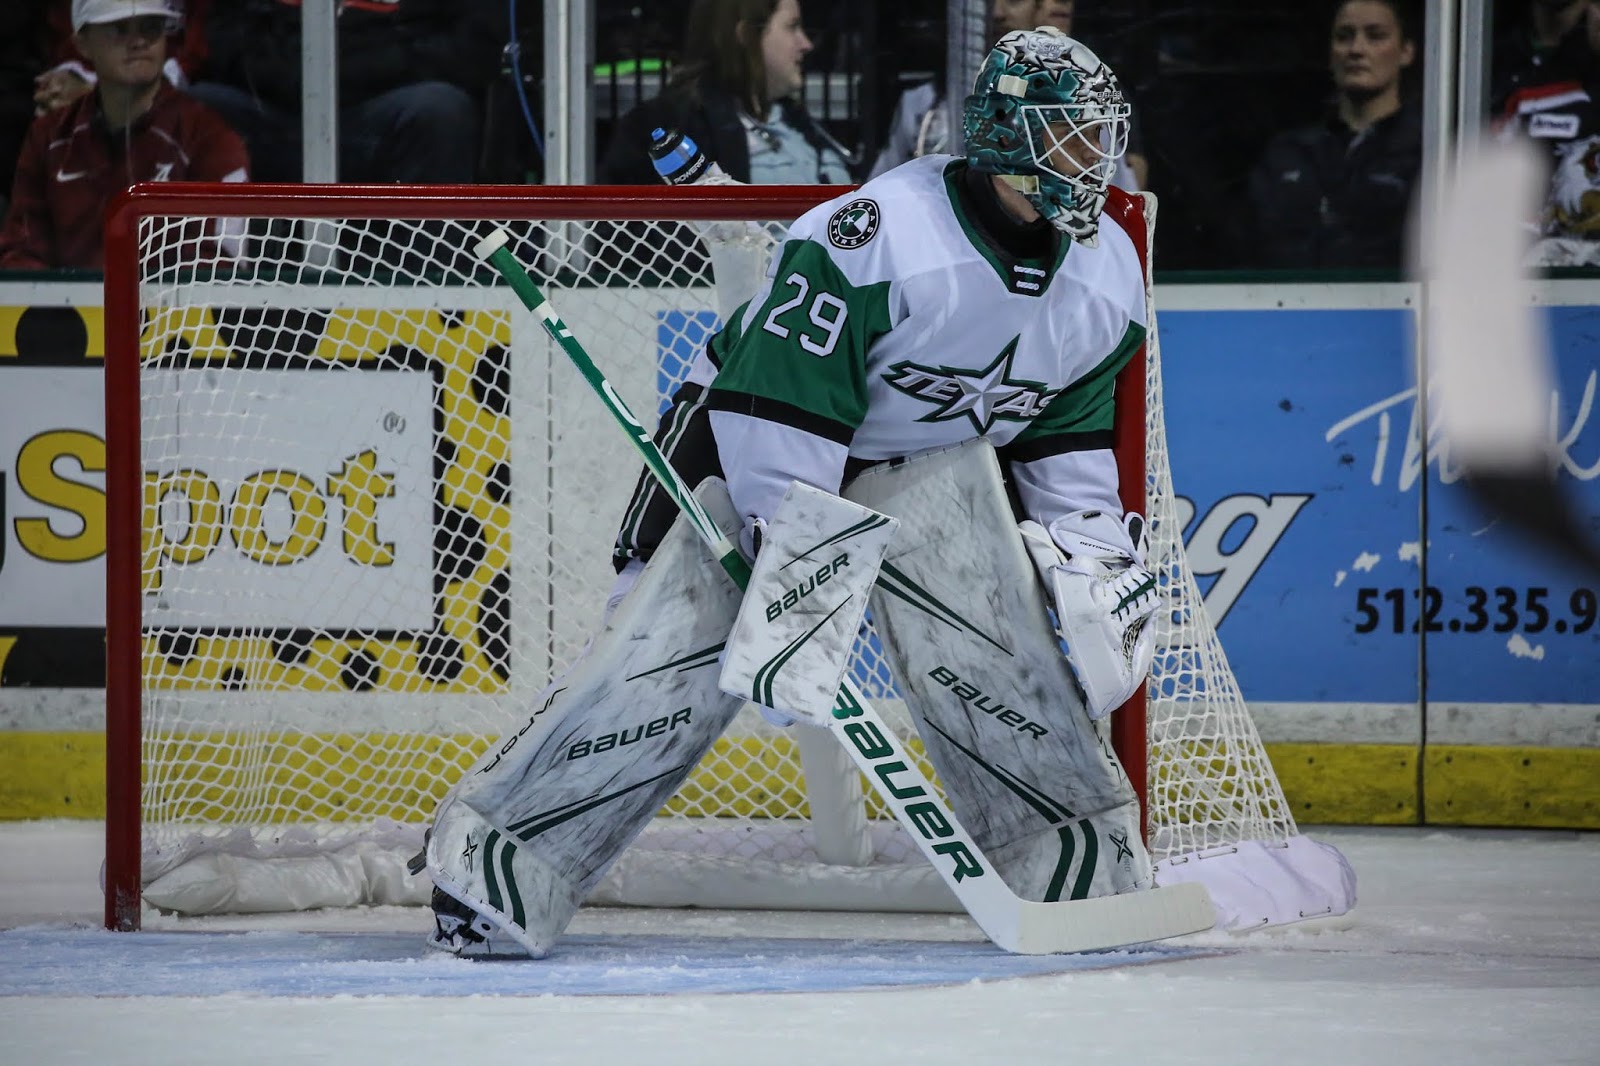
(1467, 948)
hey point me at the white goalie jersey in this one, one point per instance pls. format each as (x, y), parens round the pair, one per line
(892, 322)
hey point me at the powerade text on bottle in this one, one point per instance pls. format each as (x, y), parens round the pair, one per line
(678, 159)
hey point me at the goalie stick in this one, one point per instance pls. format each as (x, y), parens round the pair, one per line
(1014, 924)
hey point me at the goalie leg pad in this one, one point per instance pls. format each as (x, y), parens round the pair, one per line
(964, 626)
(1097, 854)
(533, 827)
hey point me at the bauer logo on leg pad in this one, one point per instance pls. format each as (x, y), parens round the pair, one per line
(511, 741)
(973, 696)
(623, 737)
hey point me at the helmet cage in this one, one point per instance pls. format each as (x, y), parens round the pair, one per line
(1078, 147)
(1073, 146)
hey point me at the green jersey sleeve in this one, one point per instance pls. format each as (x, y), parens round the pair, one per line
(1080, 416)
(801, 356)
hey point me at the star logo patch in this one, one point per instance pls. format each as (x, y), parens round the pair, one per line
(985, 396)
(853, 225)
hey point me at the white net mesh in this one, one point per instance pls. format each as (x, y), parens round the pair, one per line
(1210, 782)
(377, 512)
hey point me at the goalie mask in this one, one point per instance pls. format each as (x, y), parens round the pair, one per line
(1048, 116)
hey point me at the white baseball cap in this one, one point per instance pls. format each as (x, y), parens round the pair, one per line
(94, 12)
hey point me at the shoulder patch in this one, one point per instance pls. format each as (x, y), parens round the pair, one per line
(854, 224)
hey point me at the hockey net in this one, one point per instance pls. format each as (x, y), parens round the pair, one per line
(361, 510)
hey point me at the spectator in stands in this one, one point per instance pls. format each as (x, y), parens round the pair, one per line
(41, 68)
(70, 76)
(1533, 39)
(1338, 193)
(920, 124)
(133, 127)
(734, 91)
(1560, 114)
(411, 76)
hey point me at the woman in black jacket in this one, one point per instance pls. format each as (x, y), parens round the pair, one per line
(733, 91)
(1338, 193)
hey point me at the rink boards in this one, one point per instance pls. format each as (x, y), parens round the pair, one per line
(1337, 554)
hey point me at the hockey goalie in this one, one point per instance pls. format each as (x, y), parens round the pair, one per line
(937, 350)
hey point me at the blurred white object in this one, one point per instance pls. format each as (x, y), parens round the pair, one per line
(1489, 377)
(95, 12)
(1486, 365)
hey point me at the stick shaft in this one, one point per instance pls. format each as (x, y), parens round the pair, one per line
(727, 554)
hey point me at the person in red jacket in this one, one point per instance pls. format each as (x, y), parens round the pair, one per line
(134, 127)
(71, 75)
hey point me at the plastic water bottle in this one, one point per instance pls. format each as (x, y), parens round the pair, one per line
(738, 249)
(680, 161)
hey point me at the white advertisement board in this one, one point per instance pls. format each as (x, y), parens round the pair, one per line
(52, 510)
(290, 499)
(271, 513)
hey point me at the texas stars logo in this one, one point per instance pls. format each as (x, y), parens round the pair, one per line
(853, 224)
(985, 396)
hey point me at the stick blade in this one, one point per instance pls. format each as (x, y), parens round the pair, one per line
(1486, 359)
(1489, 369)
(1108, 922)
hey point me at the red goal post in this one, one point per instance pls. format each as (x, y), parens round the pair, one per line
(136, 267)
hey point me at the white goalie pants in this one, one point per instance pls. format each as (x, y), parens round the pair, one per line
(964, 627)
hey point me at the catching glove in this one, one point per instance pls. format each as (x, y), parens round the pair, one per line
(1093, 567)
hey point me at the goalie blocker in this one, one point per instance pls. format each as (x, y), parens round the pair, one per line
(803, 607)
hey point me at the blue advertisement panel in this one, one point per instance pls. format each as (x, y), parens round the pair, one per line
(1297, 438)
(1505, 622)
(1288, 432)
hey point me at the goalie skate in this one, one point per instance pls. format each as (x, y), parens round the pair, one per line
(460, 930)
